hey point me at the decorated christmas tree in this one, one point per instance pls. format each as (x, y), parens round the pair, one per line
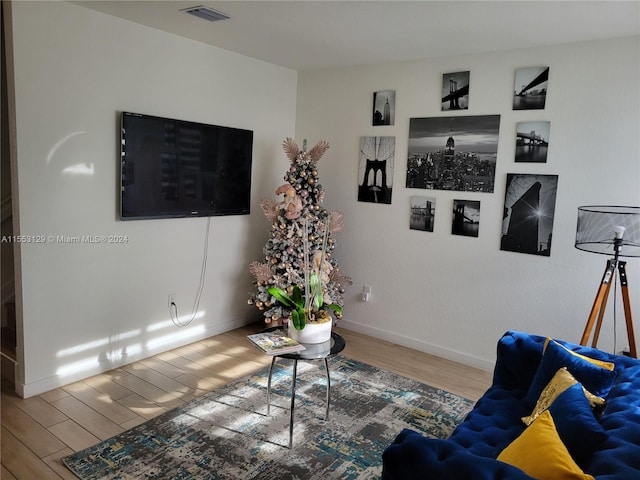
(298, 264)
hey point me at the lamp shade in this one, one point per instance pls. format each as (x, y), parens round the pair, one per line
(600, 225)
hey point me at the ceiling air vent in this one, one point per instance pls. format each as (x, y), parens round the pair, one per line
(206, 13)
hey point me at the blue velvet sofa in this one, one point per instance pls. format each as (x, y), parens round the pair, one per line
(609, 449)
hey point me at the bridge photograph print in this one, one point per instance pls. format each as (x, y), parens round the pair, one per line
(466, 218)
(455, 91)
(532, 142)
(423, 213)
(375, 170)
(530, 88)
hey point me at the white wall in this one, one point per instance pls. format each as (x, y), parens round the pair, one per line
(454, 295)
(87, 307)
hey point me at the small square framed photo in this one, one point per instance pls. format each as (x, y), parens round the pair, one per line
(423, 213)
(455, 91)
(532, 142)
(466, 218)
(384, 107)
(530, 88)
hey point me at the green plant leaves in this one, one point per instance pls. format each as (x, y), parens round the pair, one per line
(315, 286)
(297, 301)
(297, 297)
(281, 296)
(334, 306)
(299, 319)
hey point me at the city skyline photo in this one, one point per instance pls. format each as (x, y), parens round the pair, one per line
(453, 153)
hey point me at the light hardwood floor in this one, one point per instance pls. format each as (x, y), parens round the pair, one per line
(38, 431)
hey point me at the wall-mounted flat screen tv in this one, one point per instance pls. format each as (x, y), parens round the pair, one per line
(175, 168)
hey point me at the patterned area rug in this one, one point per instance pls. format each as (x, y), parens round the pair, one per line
(226, 433)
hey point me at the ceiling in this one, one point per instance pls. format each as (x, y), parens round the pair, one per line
(304, 35)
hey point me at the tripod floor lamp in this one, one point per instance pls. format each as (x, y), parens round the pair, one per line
(609, 230)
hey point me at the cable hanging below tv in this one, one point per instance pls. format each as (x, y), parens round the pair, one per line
(175, 168)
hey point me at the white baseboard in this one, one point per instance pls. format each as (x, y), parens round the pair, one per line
(426, 347)
(26, 390)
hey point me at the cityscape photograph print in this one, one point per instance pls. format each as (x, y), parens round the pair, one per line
(529, 206)
(453, 153)
(384, 107)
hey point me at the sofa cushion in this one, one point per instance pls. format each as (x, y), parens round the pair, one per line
(560, 382)
(576, 424)
(595, 361)
(540, 453)
(596, 379)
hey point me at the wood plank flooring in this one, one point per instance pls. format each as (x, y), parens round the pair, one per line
(38, 431)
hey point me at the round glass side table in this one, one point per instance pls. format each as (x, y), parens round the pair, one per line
(320, 351)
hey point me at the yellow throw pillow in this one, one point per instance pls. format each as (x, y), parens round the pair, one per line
(540, 453)
(558, 384)
(600, 363)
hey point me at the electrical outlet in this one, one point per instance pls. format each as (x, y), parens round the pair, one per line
(366, 293)
(172, 299)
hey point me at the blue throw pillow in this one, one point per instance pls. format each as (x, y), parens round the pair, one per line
(577, 427)
(596, 379)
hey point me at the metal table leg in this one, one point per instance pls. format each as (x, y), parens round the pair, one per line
(293, 401)
(326, 367)
(273, 360)
(293, 396)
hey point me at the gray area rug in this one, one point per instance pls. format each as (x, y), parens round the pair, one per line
(226, 433)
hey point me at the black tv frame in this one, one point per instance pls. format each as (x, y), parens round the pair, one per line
(172, 168)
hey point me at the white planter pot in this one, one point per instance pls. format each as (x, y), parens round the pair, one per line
(311, 333)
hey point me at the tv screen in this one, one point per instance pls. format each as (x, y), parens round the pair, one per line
(174, 168)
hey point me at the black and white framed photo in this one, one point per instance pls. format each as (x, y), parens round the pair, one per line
(375, 169)
(455, 91)
(530, 88)
(529, 206)
(532, 142)
(466, 218)
(423, 213)
(384, 107)
(453, 153)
